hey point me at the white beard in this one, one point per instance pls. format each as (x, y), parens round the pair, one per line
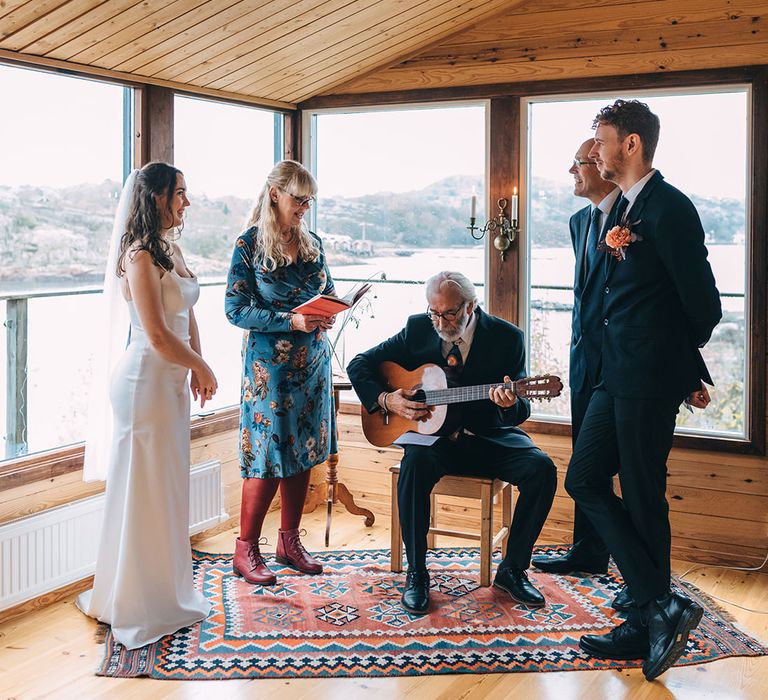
(454, 335)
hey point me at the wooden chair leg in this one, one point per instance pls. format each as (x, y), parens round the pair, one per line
(486, 534)
(396, 542)
(432, 521)
(507, 496)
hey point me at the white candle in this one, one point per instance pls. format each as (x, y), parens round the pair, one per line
(473, 206)
(514, 205)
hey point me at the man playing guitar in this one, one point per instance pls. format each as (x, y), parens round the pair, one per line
(476, 349)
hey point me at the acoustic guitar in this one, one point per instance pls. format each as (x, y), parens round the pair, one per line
(431, 386)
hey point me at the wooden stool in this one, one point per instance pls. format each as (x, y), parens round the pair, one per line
(487, 490)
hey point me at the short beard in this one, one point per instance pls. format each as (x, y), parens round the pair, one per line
(453, 336)
(615, 172)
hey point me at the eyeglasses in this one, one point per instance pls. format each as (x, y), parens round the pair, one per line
(300, 201)
(446, 315)
(578, 162)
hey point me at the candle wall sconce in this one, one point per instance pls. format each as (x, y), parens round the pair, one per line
(500, 227)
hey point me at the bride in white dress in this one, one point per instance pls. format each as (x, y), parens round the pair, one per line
(143, 585)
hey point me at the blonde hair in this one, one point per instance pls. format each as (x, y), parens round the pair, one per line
(293, 178)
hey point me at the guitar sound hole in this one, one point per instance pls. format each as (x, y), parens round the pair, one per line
(420, 396)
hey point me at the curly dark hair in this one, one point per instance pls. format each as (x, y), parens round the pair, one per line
(632, 117)
(144, 227)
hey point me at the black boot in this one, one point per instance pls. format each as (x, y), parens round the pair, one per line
(623, 600)
(516, 583)
(627, 641)
(670, 620)
(572, 561)
(415, 598)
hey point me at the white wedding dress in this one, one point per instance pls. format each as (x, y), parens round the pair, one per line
(143, 586)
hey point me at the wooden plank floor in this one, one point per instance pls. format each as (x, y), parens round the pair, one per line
(51, 653)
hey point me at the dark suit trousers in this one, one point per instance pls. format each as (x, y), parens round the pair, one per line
(637, 435)
(530, 469)
(587, 543)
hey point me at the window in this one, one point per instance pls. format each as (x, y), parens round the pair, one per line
(225, 152)
(704, 151)
(393, 207)
(62, 142)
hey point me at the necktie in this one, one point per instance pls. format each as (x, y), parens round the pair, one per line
(454, 360)
(593, 238)
(620, 209)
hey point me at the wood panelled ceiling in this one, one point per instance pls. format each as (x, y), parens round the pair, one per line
(283, 52)
(276, 52)
(555, 39)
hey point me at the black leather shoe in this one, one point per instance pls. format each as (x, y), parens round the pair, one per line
(623, 600)
(516, 583)
(415, 598)
(670, 620)
(570, 562)
(627, 641)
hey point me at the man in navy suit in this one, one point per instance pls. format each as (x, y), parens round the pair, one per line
(481, 349)
(587, 227)
(660, 305)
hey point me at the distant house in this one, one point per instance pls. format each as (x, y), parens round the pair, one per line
(340, 243)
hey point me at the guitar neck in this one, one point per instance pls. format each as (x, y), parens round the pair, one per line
(462, 394)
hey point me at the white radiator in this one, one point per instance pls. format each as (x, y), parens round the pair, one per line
(48, 550)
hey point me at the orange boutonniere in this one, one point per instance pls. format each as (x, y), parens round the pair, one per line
(617, 240)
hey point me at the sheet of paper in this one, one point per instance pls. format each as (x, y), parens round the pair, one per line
(416, 439)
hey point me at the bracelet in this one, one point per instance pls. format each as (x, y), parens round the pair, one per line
(385, 410)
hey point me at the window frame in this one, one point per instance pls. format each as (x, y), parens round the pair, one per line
(505, 159)
(686, 437)
(309, 147)
(756, 79)
(141, 138)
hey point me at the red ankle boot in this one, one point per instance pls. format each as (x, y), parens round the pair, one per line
(249, 563)
(290, 551)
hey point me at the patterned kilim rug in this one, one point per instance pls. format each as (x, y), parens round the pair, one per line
(349, 622)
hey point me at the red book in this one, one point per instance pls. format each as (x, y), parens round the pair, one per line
(327, 305)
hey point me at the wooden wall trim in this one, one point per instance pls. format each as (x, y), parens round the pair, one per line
(758, 265)
(153, 131)
(639, 81)
(504, 174)
(292, 136)
(80, 70)
(47, 465)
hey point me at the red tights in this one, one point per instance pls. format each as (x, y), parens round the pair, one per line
(257, 496)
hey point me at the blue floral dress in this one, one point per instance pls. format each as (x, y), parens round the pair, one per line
(287, 418)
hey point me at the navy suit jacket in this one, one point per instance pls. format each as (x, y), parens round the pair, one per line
(587, 317)
(497, 350)
(660, 304)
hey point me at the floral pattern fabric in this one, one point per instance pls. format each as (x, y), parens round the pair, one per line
(287, 418)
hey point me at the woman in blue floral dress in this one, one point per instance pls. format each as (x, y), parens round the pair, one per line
(287, 420)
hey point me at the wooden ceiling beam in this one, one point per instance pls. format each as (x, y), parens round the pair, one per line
(559, 69)
(134, 80)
